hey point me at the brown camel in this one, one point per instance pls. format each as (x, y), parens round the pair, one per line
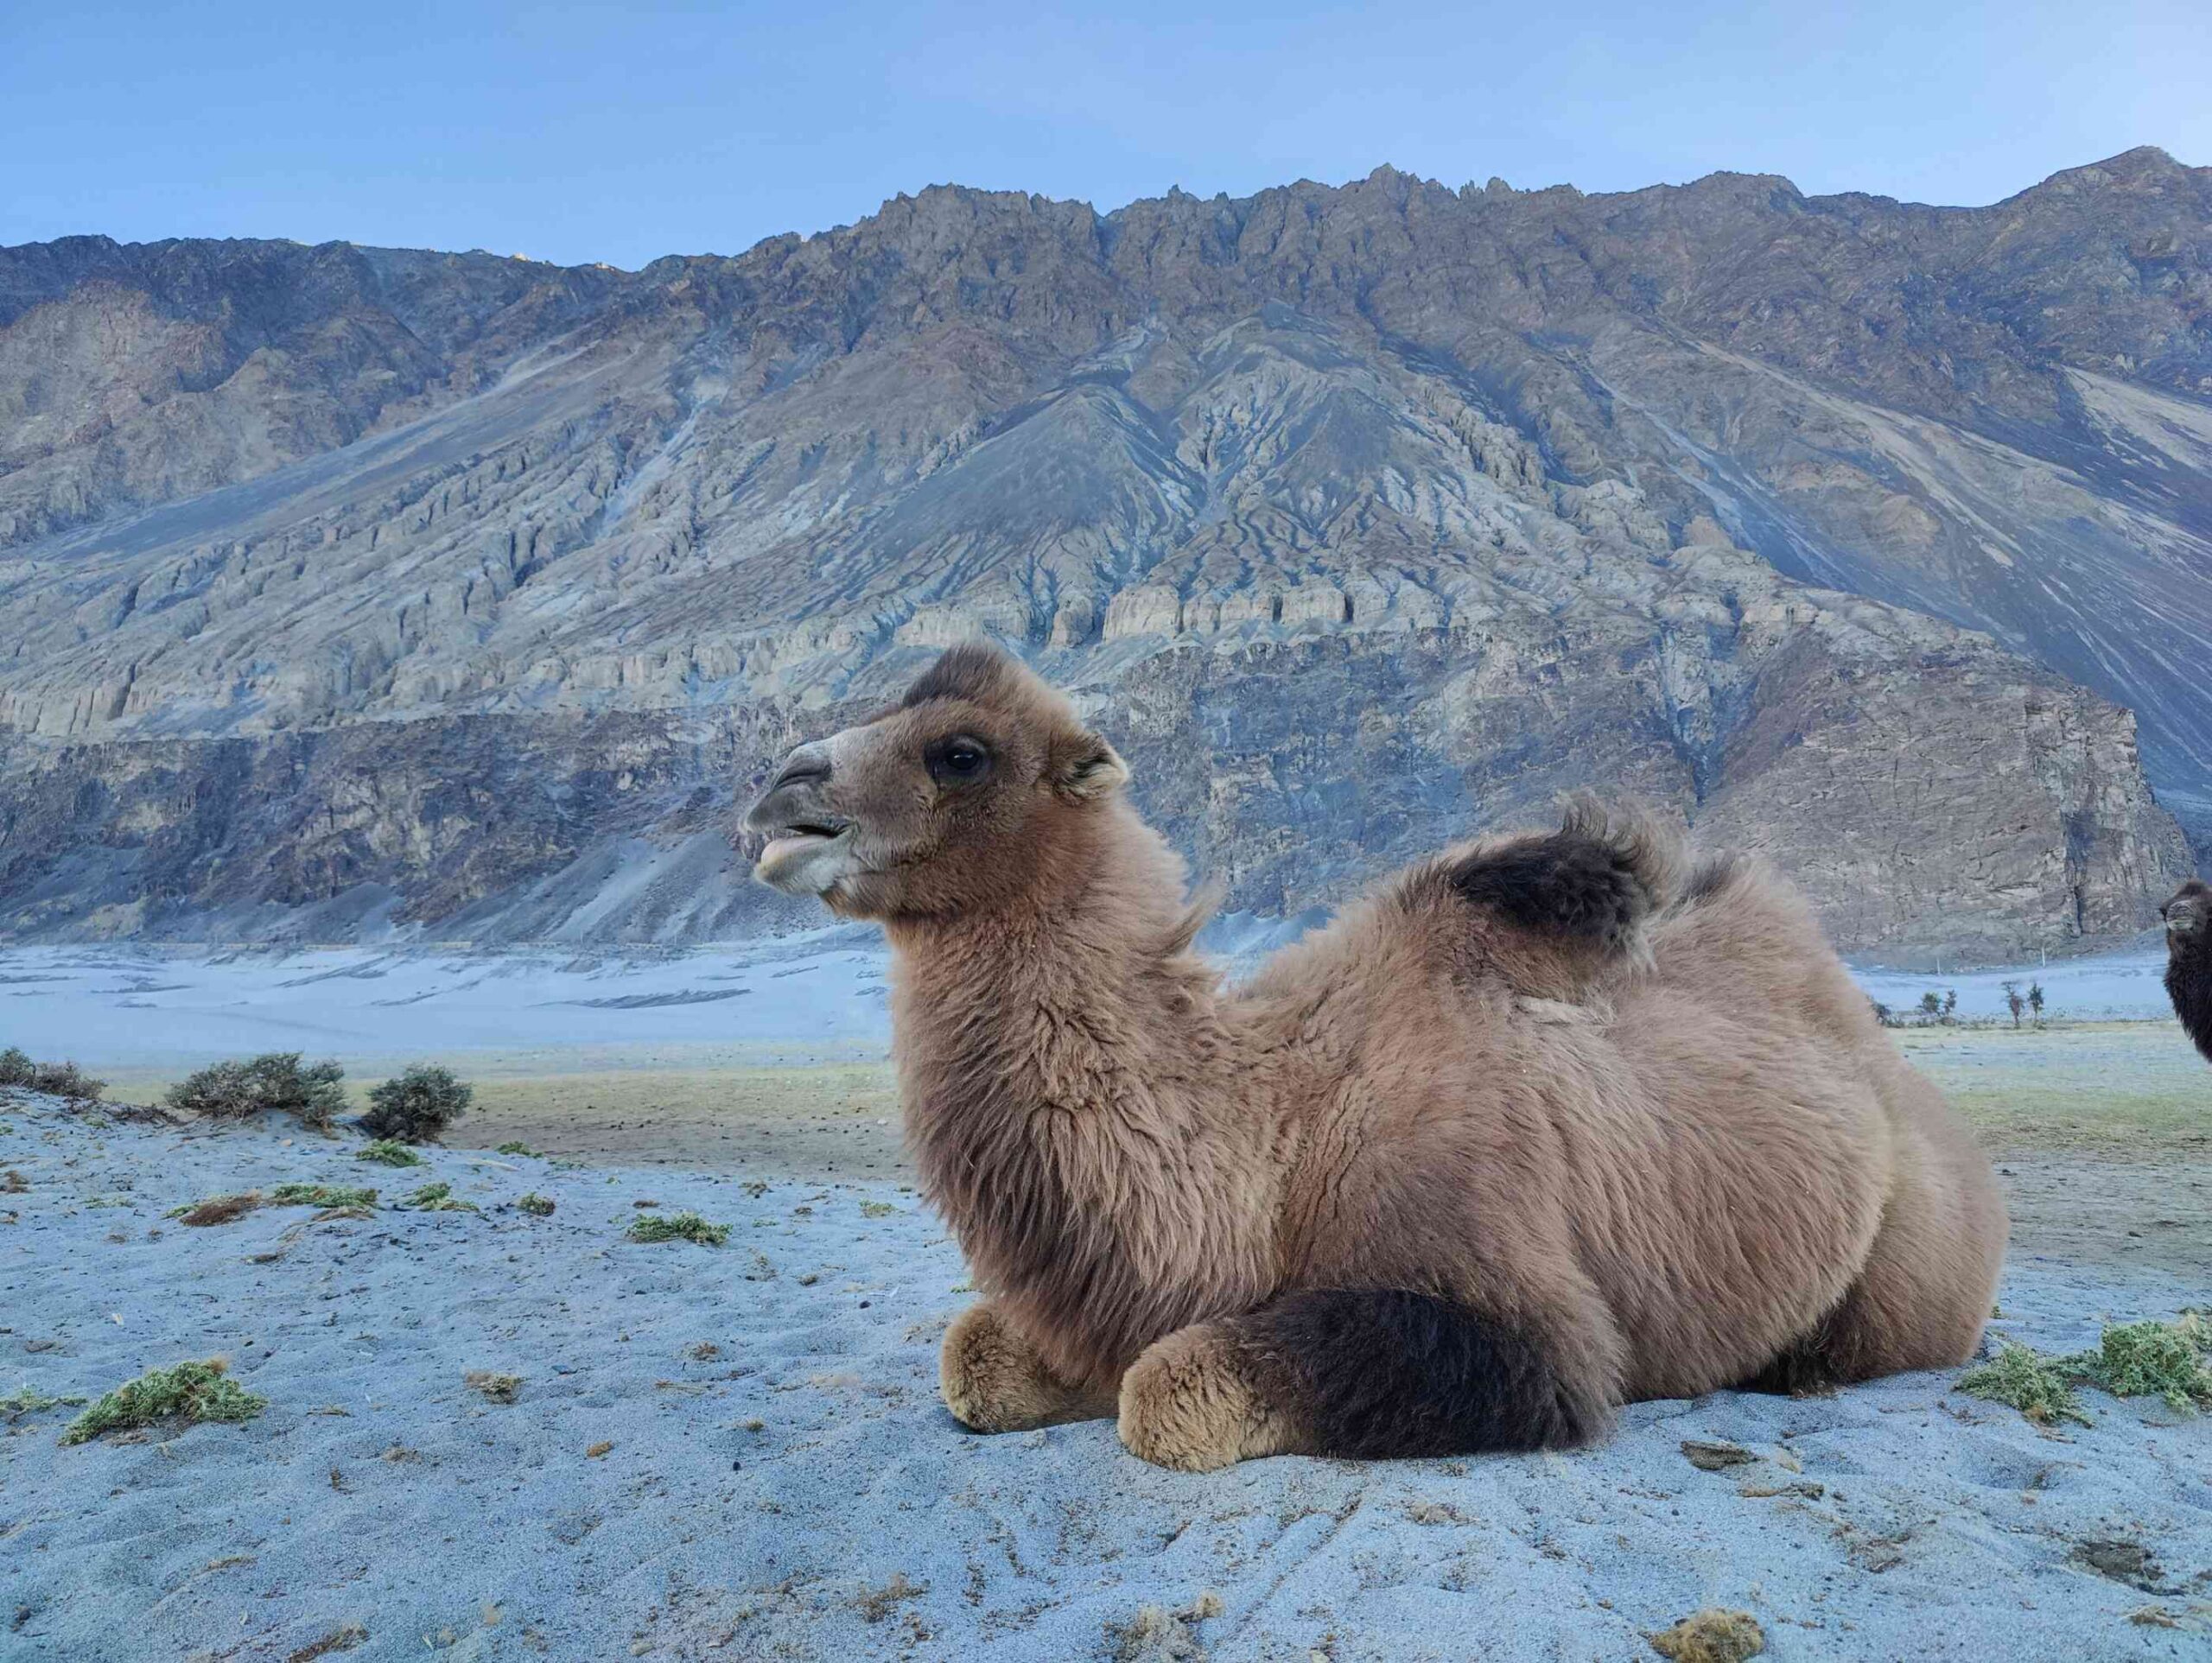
(2188, 960)
(1545, 1125)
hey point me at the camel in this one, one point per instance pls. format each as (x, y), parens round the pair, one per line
(1544, 1125)
(2188, 960)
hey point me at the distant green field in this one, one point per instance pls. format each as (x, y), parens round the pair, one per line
(2111, 1088)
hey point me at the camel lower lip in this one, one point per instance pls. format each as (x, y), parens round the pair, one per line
(789, 842)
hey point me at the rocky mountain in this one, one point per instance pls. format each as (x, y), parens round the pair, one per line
(356, 589)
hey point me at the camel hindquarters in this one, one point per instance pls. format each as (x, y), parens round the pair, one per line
(1924, 1293)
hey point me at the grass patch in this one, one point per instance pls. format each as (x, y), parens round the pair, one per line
(2027, 1380)
(438, 1198)
(678, 1227)
(2171, 1362)
(217, 1209)
(322, 1194)
(192, 1391)
(2153, 1360)
(515, 1149)
(390, 1151)
(24, 1401)
(536, 1205)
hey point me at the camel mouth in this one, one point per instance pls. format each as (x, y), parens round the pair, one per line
(805, 857)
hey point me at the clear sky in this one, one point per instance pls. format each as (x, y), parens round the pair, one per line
(620, 133)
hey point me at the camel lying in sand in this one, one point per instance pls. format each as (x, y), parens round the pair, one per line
(1545, 1125)
(2188, 960)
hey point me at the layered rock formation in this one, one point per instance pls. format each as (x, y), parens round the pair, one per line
(1364, 518)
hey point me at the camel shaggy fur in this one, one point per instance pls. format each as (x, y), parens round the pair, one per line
(2188, 960)
(1545, 1125)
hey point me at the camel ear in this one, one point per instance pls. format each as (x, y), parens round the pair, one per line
(1087, 767)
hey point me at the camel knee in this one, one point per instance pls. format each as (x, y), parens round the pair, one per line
(995, 1380)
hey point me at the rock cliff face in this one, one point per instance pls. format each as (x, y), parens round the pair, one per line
(351, 588)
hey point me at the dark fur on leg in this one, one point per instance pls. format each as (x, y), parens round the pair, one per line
(1390, 1373)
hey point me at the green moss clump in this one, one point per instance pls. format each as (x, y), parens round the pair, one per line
(2152, 1359)
(515, 1149)
(387, 1152)
(678, 1227)
(2171, 1361)
(2031, 1384)
(438, 1198)
(193, 1391)
(536, 1205)
(23, 1400)
(322, 1194)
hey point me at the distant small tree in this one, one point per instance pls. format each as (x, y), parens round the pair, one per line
(417, 1105)
(1950, 1005)
(1931, 1007)
(1882, 1013)
(2035, 1001)
(2013, 1002)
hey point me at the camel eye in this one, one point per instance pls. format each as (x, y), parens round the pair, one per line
(956, 760)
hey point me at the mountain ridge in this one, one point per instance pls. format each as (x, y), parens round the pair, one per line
(341, 485)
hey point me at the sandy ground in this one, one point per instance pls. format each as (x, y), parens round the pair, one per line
(738, 1451)
(777, 1479)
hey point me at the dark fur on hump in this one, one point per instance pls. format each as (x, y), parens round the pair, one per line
(1396, 1373)
(2189, 969)
(1596, 880)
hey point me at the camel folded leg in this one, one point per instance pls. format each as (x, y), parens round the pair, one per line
(1342, 1373)
(994, 1379)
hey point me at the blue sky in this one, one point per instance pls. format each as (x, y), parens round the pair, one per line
(621, 132)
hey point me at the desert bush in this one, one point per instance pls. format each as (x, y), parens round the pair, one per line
(384, 1151)
(416, 1106)
(536, 1205)
(55, 1079)
(275, 1082)
(193, 1391)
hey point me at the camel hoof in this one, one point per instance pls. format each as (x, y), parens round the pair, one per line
(1186, 1405)
(991, 1377)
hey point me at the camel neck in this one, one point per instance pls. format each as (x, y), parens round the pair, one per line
(1075, 1100)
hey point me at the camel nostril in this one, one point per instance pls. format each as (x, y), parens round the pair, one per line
(813, 771)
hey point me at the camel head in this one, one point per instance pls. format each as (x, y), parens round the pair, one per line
(952, 800)
(2189, 913)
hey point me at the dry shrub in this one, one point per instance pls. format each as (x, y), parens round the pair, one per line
(274, 1082)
